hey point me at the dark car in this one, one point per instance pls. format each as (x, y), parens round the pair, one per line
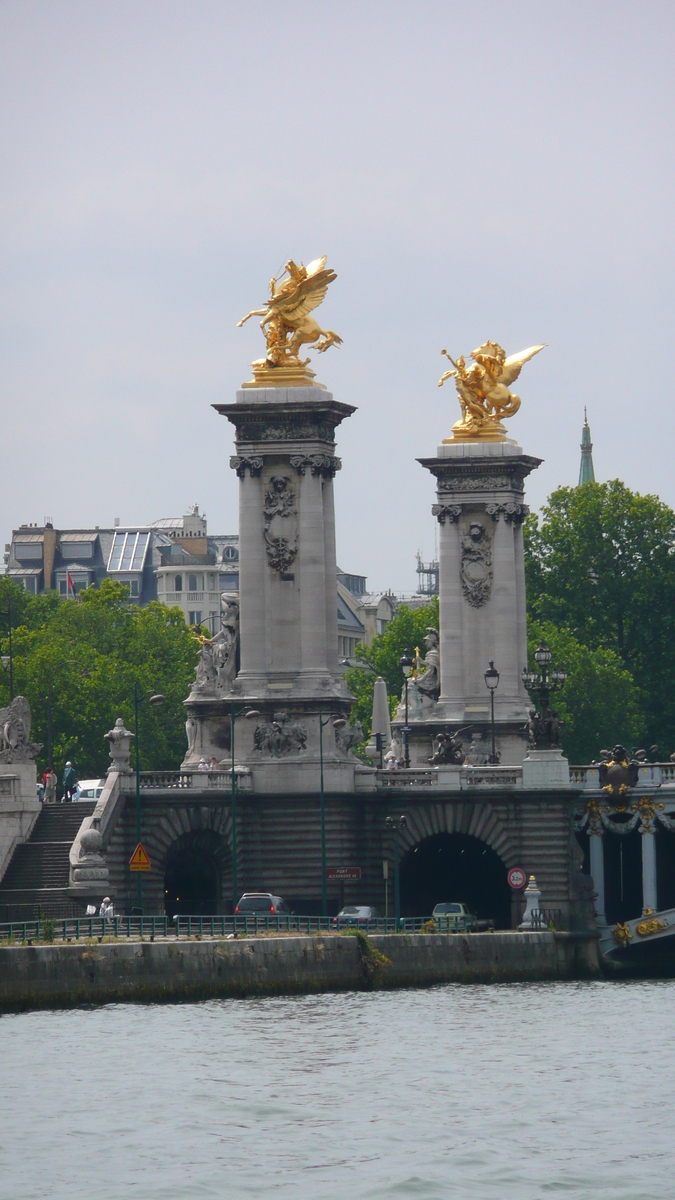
(261, 903)
(355, 914)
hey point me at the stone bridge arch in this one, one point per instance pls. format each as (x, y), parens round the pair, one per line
(457, 848)
(190, 845)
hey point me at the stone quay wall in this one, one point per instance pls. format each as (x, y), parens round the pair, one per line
(64, 975)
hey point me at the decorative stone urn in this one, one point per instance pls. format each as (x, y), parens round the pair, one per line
(530, 923)
(120, 747)
(91, 867)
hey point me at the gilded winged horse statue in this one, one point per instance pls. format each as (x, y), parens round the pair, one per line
(286, 322)
(483, 390)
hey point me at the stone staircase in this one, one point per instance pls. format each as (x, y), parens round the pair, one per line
(38, 874)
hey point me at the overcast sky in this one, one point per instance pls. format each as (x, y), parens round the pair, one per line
(472, 170)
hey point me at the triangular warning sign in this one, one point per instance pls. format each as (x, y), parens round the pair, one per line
(139, 860)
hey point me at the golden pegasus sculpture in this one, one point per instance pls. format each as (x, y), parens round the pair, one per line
(483, 390)
(287, 325)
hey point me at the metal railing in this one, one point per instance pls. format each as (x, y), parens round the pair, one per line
(546, 918)
(245, 925)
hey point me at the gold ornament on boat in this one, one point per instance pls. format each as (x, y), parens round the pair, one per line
(287, 325)
(483, 391)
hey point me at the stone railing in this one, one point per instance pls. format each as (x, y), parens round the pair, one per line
(448, 778)
(587, 776)
(88, 869)
(201, 781)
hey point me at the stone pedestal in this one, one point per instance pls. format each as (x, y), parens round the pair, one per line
(19, 807)
(480, 510)
(285, 460)
(546, 769)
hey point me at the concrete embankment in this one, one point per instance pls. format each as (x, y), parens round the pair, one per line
(102, 972)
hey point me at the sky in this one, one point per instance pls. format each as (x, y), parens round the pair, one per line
(474, 170)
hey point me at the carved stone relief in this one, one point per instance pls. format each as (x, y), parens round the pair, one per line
(217, 666)
(476, 568)
(285, 431)
(281, 735)
(480, 483)
(15, 743)
(281, 525)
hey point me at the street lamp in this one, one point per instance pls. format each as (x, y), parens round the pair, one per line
(396, 823)
(543, 683)
(234, 713)
(8, 658)
(156, 699)
(491, 678)
(405, 663)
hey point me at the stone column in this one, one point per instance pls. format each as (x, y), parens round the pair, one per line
(505, 621)
(312, 568)
(649, 893)
(519, 555)
(330, 564)
(450, 608)
(598, 873)
(252, 618)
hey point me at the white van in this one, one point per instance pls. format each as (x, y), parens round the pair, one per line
(89, 789)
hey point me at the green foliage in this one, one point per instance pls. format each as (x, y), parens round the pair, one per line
(601, 565)
(373, 962)
(90, 652)
(405, 632)
(600, 702)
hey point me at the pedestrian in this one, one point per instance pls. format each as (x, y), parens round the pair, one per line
(69, 781)
(106, 909)
(213, 763)
(49, 780)
(203, 765)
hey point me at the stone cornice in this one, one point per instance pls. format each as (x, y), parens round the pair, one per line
(290, 422)
(475, 475)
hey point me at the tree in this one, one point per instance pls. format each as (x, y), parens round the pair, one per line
(405, 632)
(599, 704)
(89, 652)
(601, 565)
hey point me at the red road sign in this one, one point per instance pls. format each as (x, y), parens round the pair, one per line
(139, 860)
(517, 878)
(343, 872)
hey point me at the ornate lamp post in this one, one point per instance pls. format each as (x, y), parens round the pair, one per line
(234, 713)
(491, 678)
(543, 683)
(156, 699)
(406, 664)
(396, 823)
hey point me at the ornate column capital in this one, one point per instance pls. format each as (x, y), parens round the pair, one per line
(320, 464)
(449, 512)
(241, 464)
(512, 512)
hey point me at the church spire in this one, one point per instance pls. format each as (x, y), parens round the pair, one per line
(586, 472)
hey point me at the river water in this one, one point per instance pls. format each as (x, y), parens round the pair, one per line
(522, 1091)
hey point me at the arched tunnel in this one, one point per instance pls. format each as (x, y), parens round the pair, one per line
(193, 875)
(455, 867)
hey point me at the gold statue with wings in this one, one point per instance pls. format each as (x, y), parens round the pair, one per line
(287, 324)
(483, 390)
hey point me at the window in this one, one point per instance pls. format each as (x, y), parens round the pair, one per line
(212, 583)
(29, 584)
(77, 549)
(63, 587)
(133, 587)
(194, 618)
(128, 551)
(230, 554)
(27, 550)
(178, 583)
(195, 583)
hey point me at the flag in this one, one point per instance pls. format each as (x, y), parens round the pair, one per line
(71, 590)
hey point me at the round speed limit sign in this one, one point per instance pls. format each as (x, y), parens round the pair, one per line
(517, 878)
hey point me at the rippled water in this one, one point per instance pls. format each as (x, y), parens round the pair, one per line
(524, 1091)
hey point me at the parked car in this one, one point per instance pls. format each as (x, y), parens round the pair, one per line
(261, 903)
(90, 789)
(355, 914)
(454, 917)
